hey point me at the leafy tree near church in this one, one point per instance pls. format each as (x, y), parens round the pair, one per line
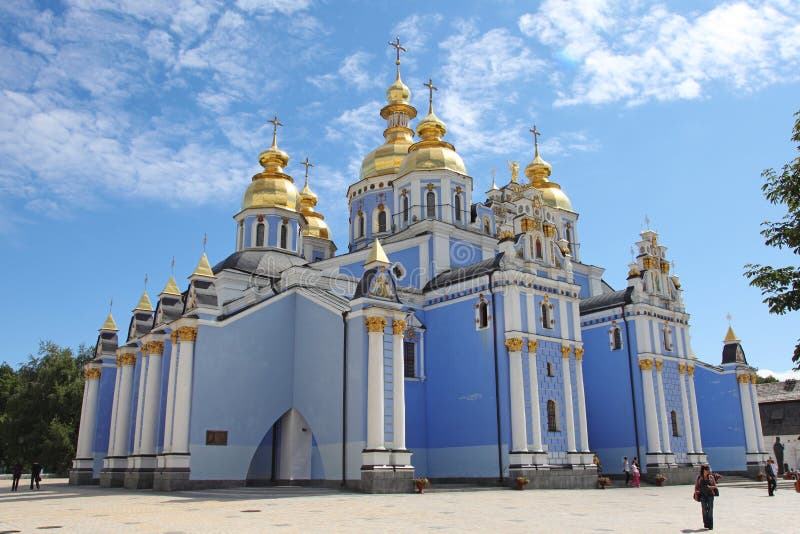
(781, 286)
(40, 407)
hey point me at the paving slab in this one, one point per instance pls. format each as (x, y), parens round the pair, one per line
(59, 507)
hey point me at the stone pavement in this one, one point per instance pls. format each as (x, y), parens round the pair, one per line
(58, 506)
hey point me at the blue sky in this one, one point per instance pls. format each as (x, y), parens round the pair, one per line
(129, 128)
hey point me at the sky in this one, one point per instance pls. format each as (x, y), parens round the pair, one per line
(129, 129)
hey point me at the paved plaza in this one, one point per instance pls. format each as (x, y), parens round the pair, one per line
(742, 507)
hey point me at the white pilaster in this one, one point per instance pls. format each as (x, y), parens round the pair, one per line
(169, 412)
(757, 415)
(152, 398)
(698, 442)
(375, 383)
(183, 390)
(398, 384)
(581, 399)
(122, 433)
(519, 429)
(89, 413)
(533, 377)
(650, 414)
(665, 415)
(114, 409)
(747, 412)
(137, 427)
(569, 409)
(687, 420)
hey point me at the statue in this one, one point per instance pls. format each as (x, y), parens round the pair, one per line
(778, 449)
(514, 167)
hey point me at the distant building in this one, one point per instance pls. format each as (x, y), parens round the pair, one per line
(779, 404)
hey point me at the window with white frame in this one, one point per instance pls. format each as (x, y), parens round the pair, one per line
(482, 316)
(547, 315)
(615, 336)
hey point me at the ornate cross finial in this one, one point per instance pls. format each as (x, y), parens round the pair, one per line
(307, 164)
(172, 266)
(728, 317)
(431, 89)
(275, 123)
(398, 48)
(205, 240)
(536, 133)
(646, 222)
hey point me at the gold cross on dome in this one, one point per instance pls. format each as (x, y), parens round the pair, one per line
(275, 123)
(728, 317)
(307, 164)
(398, 48)
(536, 133)
(431, 89)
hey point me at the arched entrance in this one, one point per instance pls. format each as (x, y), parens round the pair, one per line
(286, 452)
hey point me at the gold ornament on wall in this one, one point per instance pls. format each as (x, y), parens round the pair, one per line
(398, 327)
(155, 347)
(565, 350)
(646, 365)
(659, 365)
(375, 324)
(578, 353)
(532, 346)
(92, 374)
(187, 333)
(514, 344)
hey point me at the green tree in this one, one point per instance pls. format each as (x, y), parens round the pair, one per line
(781, 286)
(765, 379)
(41, 405)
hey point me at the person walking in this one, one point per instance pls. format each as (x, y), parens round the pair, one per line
(636, 474)
(772, 483)
(705, 487)
(626, 468)
(16, 473)
(36, 471)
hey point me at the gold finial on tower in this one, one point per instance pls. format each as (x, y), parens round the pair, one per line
(646, 222)
(431, 89)
(275, 123)
(536, 133)
(307, 165)
(398, 48)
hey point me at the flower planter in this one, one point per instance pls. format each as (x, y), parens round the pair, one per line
(520, 486)
(420, 487)
(659, 482)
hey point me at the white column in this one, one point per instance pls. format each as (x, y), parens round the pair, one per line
(581, 398)
(519, 430)
(399, 382)
(114, 409)
(123, 422)
(569, 410)
(747, 412)
(650, 414)
(698, 442)
(375, 383)
(687, 420)
(170, 408)
(89, 413)
(757, 415)
(665, 415)
(152, 398)
(533, 377)
(137, 428)
(183, 390)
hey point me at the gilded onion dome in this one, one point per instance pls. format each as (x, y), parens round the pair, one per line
(538, 171)
(272, 188)
(387, 158)
(432, 153)
(316, 226)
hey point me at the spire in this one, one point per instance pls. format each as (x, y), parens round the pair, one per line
(109, 325)
(144, 303)
(494, 185)
(538, 171)
(730, 337)
(315, 224)
(398, 48)
(377, 256)
(171, 288)
(203, 268)
(431, 128)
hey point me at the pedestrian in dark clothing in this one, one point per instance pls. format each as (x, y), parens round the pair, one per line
(704, 489)
(36, 470)
(16, 472)
(772, 482)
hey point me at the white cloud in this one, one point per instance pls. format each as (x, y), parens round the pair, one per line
(352, 71)
(639, 52)
(415, 31)
(286, 7)
(780, 375)
(361, 127)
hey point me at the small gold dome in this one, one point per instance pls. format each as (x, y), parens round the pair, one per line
(271, 188)
(553, 196)
(538, 170)
(386, 159)
(316, 225)
(432, 153)
(398, 92)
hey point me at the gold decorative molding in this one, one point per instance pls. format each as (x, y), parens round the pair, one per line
(143, 350)
(659, 365)
(375, 324)
(565, 350)
(578, 353)
(645, 365)
(649, 262)
(533, 345)
(514, 344)
(743, 379)
(174, 337)
(549, 229)
(92, 374)
(398, 327)
(155, 347)
(690, 370)
(505, 235)
(754, 379)
(681, 368)
(187, 333)
(126, 359)
(664, 267)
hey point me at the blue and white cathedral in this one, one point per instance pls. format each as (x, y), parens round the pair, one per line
(458, 339)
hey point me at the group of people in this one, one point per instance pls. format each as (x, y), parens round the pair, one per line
(632, 470)
(16, 473)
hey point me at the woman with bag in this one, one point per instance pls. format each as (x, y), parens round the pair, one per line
(705, 487)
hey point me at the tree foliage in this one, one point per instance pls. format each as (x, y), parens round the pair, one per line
(781, 286)
(766, 379)
(40, 407)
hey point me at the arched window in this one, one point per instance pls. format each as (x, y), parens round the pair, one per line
(405, 208)
(283, 235)
(260, 234)
(539, 254)
(674, 418)
(382, 220)
(487, 226)
(360, 225)
(547, 314)
(552, 416)
(483, 315)
(550, 369)
(430, 205)
(409, 359)
(616, 336)
(458, 206)
(240, 236)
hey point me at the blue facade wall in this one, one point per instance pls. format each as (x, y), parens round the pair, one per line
(463, 253)
(105, 401)
(721, 420)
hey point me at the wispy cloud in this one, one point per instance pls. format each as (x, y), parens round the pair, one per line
(352, 71)
(634, 52)
(780, 375)
(361, 128)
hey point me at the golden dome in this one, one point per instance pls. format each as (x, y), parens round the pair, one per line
(272, 188)
(387, 158)
(316, 225)
(432, 153)
(398, 92)
(553, 196)
(538, 170)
